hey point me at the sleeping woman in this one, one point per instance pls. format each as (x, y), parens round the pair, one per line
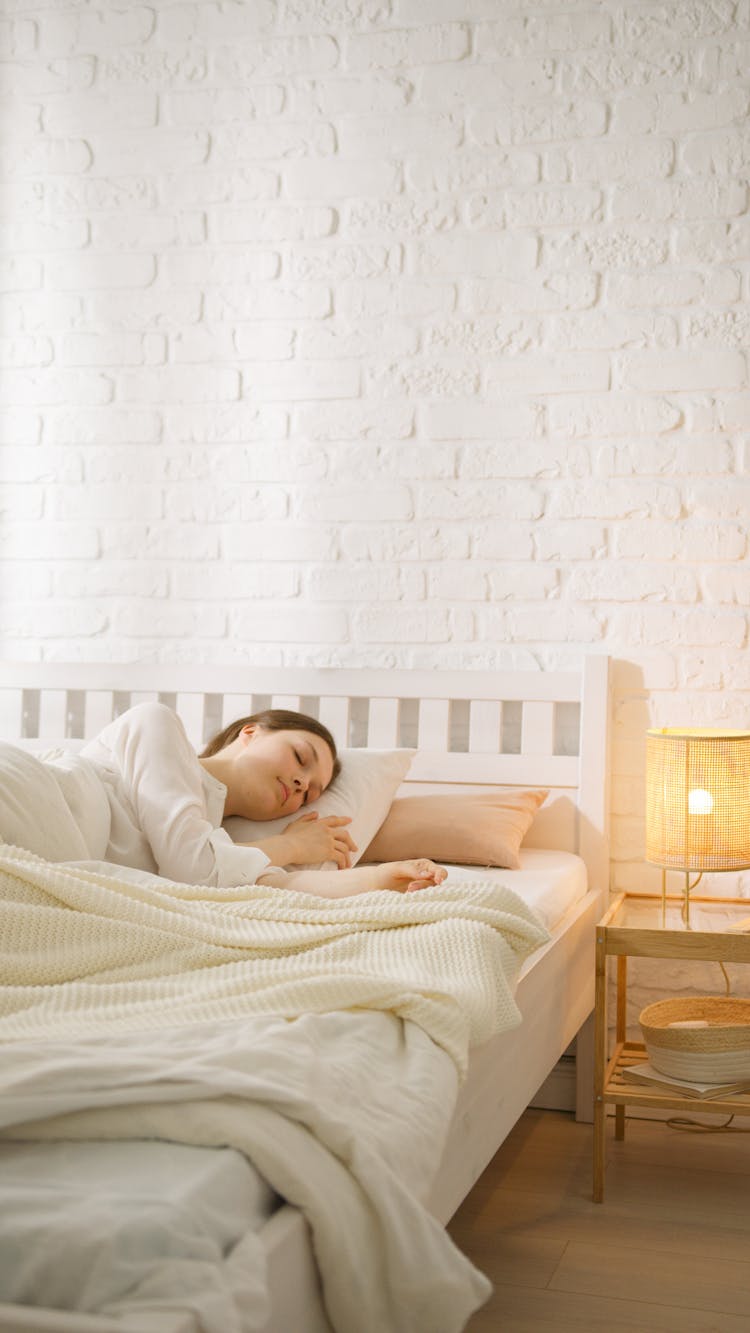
(167, 805)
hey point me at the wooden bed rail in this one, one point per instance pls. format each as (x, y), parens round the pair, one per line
(479, 713)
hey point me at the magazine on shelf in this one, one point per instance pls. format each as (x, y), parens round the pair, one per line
(646, 1074)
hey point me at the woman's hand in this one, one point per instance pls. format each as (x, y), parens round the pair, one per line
(312, 839)
(407, 876)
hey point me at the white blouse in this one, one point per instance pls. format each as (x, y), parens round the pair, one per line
(166, 810)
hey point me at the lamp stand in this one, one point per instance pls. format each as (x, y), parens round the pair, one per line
(688, 890)
(685, 910)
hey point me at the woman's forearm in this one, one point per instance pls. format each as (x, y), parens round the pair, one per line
(325, 883)
(401, 876)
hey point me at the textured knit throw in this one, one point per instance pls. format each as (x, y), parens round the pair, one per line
(84, 952)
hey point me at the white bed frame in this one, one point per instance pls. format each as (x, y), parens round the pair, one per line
(471, 730)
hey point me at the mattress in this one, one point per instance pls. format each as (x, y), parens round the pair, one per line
(123, 1203)
(549, 881)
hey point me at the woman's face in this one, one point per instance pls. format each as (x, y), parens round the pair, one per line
(275, 773)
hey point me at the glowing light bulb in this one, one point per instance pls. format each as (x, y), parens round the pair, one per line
(700, 802)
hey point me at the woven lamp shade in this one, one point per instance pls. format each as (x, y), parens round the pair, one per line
(698, 799)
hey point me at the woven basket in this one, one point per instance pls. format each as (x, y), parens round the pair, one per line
(718, 1053)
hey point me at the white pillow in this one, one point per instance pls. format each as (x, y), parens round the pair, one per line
(364, 789)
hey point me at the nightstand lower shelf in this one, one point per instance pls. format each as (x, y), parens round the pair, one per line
(620, 1092)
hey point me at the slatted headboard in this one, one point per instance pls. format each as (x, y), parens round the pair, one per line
(481, 729)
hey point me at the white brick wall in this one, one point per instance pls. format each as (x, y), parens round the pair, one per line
(383, 331)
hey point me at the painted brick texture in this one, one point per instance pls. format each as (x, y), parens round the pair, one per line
(383, 331)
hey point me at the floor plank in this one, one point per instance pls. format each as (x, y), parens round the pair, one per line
(511, 1212)
(513, 1310)
(668, 1249)
(667, 1278)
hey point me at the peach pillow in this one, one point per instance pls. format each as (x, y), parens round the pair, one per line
(485, 829)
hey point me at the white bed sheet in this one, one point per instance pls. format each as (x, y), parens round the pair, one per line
(386, 1112)
(550, 882)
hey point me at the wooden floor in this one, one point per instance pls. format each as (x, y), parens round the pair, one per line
(667, 1252)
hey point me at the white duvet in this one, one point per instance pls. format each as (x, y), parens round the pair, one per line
(322, 1038)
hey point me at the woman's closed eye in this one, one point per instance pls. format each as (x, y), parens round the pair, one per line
(308, 760)
(301, 762)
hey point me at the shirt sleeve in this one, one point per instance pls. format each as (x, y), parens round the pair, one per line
(235, 865)
(162, 780)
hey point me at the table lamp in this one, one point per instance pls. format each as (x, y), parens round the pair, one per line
(697, 803)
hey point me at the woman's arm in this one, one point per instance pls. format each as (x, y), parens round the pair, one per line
(399, 876)
(158, 783)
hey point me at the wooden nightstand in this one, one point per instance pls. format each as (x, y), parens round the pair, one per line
(637, 926)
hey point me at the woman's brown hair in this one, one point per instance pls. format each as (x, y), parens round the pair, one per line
(274, 719)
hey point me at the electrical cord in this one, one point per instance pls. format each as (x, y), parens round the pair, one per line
(695, 1126)
(700, 1127)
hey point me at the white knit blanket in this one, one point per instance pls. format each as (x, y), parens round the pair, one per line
(177, 972)
(87, 952)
